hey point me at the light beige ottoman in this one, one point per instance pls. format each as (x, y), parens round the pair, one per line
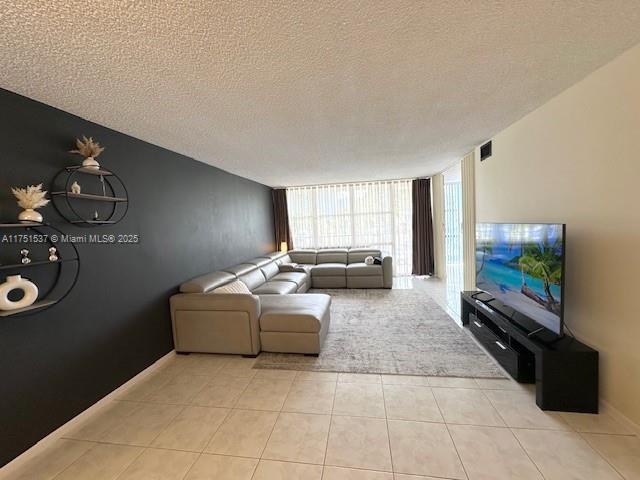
(294, 323)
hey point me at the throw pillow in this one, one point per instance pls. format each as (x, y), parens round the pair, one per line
(377, 260)
(234, 287)
(368, 260)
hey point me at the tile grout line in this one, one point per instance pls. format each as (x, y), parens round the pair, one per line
(526, 453)
(144, 449)
(147, 447)
(274, 425)
(333, 402)
(581, 435)
(326, 448)
(488, 399)
(230, 408)
(455, 447)
(386, 423)
(191, 466)
(64, 469)
(484, 394)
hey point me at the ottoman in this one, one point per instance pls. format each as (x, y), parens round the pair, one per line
(294, 323)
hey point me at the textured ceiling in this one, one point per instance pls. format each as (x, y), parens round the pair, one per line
(304, 92)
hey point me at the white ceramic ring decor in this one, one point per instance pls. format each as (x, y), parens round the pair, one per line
(16, 282)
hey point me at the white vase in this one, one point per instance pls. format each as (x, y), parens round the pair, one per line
(16, 282)
(90, 162)
(30, 215)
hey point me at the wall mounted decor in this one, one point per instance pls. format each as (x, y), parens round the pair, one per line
(30, 198)
(107, 203)
(16, 282)
(53, 266)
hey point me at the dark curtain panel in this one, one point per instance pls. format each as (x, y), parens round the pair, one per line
(281, 218)
(422, 227)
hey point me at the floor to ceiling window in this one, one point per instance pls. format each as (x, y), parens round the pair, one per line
(368, 214)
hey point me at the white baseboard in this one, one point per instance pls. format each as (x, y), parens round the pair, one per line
(20, 460)
(607, 408)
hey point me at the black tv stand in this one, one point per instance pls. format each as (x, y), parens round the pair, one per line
(531, 334)
(564, 370)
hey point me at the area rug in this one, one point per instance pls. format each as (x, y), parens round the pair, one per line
(390, 331)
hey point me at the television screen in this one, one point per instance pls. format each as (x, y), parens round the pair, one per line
(521, 265)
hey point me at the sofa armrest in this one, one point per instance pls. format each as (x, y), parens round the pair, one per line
(216, 301)
(222, 312)
(387, 272)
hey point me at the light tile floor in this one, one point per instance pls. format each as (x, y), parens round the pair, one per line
(229, 421)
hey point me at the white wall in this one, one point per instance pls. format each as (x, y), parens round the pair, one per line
(576, 160)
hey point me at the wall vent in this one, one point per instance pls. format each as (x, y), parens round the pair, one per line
(485, 151)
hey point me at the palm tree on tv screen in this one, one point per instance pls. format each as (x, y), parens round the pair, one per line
(486, 249)
(541, 261)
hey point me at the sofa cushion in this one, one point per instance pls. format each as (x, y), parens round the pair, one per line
(303, 256)
(240, 269)
(302, 313)
(296, 277)
(259, 262)
(270, 270)
(333, 255)
(206, 283)
(274, 255)
(362, 270)
(329, 270)
(233, 287)
(253, 279)
(357, 255)
(285, 258)
(275, 288)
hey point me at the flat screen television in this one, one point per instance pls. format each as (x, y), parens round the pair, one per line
(522, 266)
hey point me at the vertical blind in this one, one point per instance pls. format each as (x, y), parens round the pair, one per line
(370, 214)
(453, 222)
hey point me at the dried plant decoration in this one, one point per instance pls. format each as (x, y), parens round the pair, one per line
(87, 147)
(30, 197)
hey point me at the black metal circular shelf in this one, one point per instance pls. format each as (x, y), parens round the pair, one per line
(68, 264)
(74, 207)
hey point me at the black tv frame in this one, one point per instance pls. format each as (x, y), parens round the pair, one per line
(531, 326)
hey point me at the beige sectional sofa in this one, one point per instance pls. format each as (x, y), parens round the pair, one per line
(277, 315)
(343, 268)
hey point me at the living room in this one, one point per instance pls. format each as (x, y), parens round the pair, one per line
(359, 240)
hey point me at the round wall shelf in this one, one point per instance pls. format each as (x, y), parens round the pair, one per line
(52, 286)
(103, 199)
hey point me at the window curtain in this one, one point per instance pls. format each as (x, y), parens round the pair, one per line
(422, 227)
(439, 249)
(368, 214)
(281, 218)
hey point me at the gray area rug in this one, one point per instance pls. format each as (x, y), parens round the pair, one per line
(390, 331)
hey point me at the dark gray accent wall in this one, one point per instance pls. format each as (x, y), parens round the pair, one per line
(191, 218)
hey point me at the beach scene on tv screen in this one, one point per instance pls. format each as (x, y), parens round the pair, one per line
(521, 265)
